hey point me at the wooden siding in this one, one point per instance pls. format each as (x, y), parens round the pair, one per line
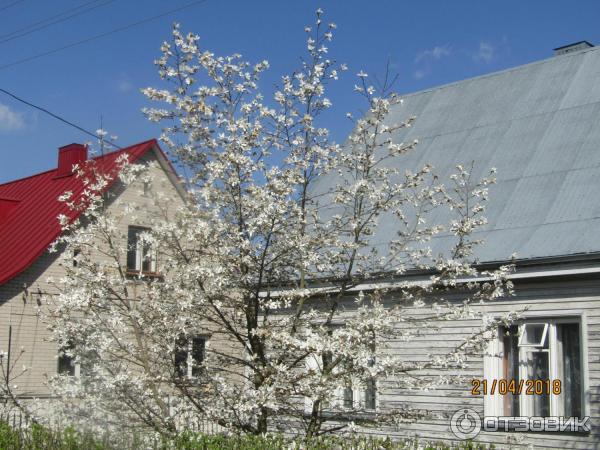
(551, 298)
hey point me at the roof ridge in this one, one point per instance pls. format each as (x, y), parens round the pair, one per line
(93, 159)
(496, 73)
(28, 177)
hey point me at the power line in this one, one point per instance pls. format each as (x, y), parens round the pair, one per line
(101, 35)
(49, 22)
(44, 110)
(39, 22)
(11, 4)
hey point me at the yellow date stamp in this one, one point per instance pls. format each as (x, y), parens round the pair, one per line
(515, 387)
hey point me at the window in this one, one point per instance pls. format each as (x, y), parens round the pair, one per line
(189, 355)
(357, 396)
(361, 397)
(326, 365)
(348, 397)
(66, 361)
(141, 257)
(546, 357)
(76, 253)
(370, 394)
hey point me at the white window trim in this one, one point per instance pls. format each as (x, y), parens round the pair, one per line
(492, 360)
(494, 404)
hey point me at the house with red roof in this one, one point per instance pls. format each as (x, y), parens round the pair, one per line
(29, 211)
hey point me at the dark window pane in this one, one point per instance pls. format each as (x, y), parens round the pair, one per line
(370, 394)
(76, 252)
(180, 356)
(327, 358)
(510, 369)
(535, 334)
(370, 390)
(198, 348)
(538, 369)
(568, 336)
(66, 363)
(132, 238)
(348, 397)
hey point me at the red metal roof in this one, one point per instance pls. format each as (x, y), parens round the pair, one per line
(29, 208)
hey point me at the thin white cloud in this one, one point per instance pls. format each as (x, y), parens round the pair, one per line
(124, 85)
(427, 58)
(434, 54)
(10, 120)
(485, 52)
(420, 73)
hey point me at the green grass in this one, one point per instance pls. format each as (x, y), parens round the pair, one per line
(40, 438)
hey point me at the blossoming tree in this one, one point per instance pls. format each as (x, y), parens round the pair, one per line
(271, 309)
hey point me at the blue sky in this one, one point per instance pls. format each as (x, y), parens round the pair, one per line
(428, 43)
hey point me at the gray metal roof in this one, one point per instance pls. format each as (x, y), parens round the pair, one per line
(539, 125)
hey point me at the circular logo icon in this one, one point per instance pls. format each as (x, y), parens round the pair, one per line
(465, 423)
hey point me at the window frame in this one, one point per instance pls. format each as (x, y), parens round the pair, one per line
(189, 359)
(139, 254)
(493, 361)
(359, 397)
(62, 356)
